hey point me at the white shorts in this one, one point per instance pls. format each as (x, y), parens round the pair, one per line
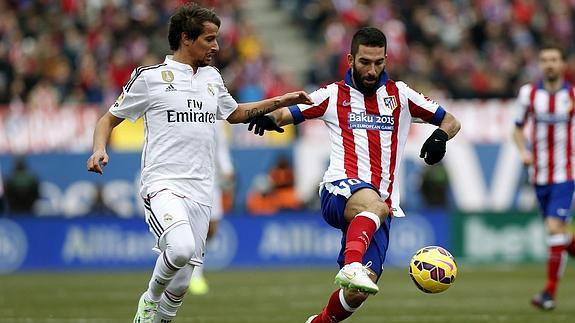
(166, 210)
(217, 207)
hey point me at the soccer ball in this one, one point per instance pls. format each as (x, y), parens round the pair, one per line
(433, 269)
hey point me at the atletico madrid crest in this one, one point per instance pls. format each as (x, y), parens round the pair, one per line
(390, 102)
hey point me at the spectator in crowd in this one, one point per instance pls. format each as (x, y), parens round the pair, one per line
(260, 200)
(274, 192)
(99, 206)
(21, 188)
(282, 180)
(435, 186)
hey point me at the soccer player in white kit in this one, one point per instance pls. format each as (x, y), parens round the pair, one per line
(224, 179)
(179, 100)
(550, 104)
(368, 117)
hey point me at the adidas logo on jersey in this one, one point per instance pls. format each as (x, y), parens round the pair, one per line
(170, 88)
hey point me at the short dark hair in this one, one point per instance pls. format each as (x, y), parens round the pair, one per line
(189, 19)
(551, 44)
(368, 36)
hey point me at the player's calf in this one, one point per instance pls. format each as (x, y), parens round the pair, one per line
(338, 307)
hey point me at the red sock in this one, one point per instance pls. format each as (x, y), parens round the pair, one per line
(571, 247)
(334, 310)
(554, 268)
(358, 236)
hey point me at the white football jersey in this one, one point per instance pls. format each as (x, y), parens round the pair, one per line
(180, 109)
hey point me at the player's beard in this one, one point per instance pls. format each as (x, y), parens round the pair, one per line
(552, 77)
(205, 61)
(202, 63)
(366, 89)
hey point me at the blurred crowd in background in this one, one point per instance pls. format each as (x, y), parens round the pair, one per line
(446, 48)
(68, 52)
(54, 53)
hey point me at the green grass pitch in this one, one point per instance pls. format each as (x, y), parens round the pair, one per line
(480, 294)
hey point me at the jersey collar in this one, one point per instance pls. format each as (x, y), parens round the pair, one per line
(540, 86)
(349, 81)
(170, 61)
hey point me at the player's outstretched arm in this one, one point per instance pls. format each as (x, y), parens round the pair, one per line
(246, 111)
(99, 157)
(433, 149)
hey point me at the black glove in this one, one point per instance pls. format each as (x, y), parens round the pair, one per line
(433, 149)
(263, 123)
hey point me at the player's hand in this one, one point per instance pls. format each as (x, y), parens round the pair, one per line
(293, 98)
(262, 123)
(97, 162)
(433, 149)
(527, 158)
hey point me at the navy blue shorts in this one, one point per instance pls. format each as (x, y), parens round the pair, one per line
(334, 197)
(555, 199)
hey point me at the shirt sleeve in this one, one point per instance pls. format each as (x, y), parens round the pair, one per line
(133, 101)
(226, 103)
(303, 112)
(422, 107)
(522, 105)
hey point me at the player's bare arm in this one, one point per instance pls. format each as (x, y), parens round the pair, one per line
(251, 110)
(521, 143)
(281, 117)
(450, 125)
(99, 157)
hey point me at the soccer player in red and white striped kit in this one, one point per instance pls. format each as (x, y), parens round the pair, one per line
(549, 103)
(368, 117)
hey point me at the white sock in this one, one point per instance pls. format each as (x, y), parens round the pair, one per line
(178, 250)
(198, 272)
(172, 297)
(163, 274)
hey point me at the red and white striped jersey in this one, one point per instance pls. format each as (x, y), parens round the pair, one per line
(368, 133)
(552, 132)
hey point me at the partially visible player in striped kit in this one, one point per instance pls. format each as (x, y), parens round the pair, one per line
(368, 117)
(549, 104)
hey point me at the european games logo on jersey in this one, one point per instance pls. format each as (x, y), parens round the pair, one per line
(13, 246)
(366, 121)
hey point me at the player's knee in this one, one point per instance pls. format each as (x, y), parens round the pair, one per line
(380, 208)
(555, 226)
(180, 252)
